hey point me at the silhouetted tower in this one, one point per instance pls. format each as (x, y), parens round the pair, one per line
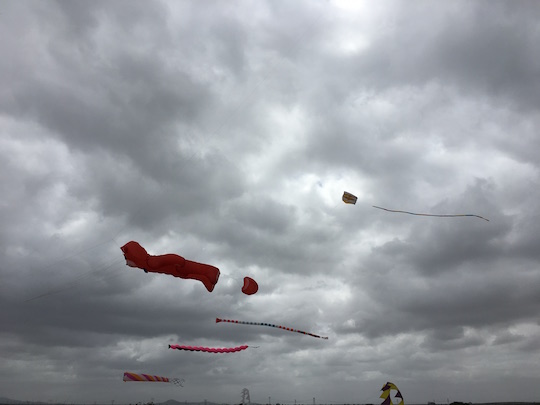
(246, 400)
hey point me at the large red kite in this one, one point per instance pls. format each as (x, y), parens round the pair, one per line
(177, 266)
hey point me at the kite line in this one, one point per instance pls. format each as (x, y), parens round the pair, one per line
(432, 215)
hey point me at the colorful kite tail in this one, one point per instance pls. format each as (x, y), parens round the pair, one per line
(144, 377)
(209, 349)
(272, 326)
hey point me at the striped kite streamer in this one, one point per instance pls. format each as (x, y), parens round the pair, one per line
(432, 215)
(144, 377)
(209, 349)
(270, 325)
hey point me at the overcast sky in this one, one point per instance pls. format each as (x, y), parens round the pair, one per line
(226, 132)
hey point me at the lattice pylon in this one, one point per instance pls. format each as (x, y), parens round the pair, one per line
(245, 397)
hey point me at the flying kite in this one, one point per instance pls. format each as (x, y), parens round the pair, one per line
(177, 266)
(270, 325)
(433, 215)
(209, 349)
(152, 378)
(386, 389)
(250, 286)
(349, 198)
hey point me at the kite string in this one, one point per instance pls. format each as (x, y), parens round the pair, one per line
(100, 269)
(431, 215)
(76, 281)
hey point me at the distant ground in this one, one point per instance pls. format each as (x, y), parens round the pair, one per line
(8, 401)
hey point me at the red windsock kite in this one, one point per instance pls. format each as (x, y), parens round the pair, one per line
(177, 266)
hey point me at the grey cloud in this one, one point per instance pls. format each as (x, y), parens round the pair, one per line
(226, 133)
